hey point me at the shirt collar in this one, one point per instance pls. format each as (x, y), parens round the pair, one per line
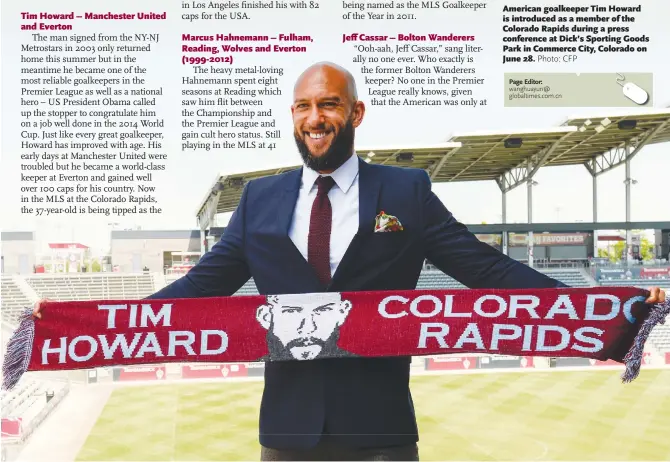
(344, 176)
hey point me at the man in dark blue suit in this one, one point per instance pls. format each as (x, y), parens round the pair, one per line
(313, 230)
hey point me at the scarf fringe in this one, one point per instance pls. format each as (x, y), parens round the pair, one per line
(633, 358)
(19, 351)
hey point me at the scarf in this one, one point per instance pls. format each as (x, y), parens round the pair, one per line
(602, 323)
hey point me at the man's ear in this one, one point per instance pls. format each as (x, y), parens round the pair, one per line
(358, 112)
(264, 316)
(343, 311)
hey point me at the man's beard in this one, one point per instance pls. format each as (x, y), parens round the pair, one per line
(338, 152)
(279, 352)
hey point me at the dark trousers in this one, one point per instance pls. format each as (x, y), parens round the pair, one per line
(326, 449)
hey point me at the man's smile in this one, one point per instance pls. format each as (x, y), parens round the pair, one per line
(318, 139)
(316, 135)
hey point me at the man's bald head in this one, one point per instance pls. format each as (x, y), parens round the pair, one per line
(338, 76)
(326, 113)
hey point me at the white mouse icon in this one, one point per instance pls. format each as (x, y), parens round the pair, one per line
(635, 93)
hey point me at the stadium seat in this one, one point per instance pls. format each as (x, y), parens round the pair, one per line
(14, 300)
(430, 279)
(636, 282)
(248, 289)
(570, 276)
(660, 336)
(92, 286)
(28, 401)
(437, 280)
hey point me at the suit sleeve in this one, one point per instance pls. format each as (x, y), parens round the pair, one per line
(222, 270)
(459, 254)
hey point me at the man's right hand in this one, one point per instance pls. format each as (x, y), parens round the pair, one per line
(39, 306)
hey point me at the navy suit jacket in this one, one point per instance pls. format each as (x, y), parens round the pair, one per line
(360, 401)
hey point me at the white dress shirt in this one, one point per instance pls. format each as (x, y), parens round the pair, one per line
(343, 198)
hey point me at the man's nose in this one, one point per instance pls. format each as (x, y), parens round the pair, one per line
(307, 325)
(315, 117)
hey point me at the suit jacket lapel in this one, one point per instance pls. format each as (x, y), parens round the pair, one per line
(369, 187)
(286, 200)
(284, 208)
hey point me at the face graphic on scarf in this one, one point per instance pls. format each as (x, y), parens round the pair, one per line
(303, 326)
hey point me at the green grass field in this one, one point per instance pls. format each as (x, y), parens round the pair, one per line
(511, 416)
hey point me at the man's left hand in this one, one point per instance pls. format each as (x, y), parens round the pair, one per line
(656, 295)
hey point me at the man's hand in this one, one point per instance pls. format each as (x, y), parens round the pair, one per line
(39, 306)
(656, 295)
